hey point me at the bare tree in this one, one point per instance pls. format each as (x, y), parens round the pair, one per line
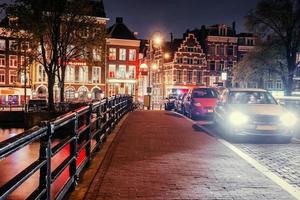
(57, 27)
(279, 19)
(266, 59)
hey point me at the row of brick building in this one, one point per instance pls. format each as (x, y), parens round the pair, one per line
(202, 57)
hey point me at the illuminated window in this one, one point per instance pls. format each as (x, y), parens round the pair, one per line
(111, 71)
(2, 45)
(41, 74)
(122, 71)
(132, 55)
(96, 75)
(23, 78)
(83, 74)
(131, 72)
(13, 61)
(179, 76)
(198, 77)
(2, 76)
(97, 54)
(122, 54)
(12, 76)
(70, 73)
(112, 54)
(2, 60)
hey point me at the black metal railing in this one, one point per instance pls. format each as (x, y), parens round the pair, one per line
(82, 131)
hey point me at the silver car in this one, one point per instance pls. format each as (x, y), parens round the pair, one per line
(253, 112)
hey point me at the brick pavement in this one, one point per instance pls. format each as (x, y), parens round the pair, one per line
(158, 155)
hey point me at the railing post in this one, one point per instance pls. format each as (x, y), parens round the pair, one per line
(73, 152)
(88, 134)
(98, 126)
(45, 154)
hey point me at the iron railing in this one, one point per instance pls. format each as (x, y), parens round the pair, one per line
(86, 128)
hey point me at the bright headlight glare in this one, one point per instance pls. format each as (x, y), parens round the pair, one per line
(288, 119)
(237, 118)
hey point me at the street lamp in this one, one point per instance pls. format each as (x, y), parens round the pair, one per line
(154, 41)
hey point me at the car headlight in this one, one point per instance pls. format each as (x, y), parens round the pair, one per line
(289, 119)
(197, 104)
(238, 118)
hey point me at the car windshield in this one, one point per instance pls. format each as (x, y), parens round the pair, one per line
(250, 97)
(204, 93)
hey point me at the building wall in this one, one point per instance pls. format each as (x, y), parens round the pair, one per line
(122, 80)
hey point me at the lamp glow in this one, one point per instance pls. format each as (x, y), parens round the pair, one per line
(289, 119)
(237, 118)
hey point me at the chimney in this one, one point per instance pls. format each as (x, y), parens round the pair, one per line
(119, 20)
(233, 27)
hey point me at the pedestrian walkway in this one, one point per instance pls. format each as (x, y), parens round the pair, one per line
(162, 155)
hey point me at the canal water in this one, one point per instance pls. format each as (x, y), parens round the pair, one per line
(9, 132)
(21, 159)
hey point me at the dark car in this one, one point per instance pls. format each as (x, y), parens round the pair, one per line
(253, 112)
(170, 102)
(179, 103)
(200, 102)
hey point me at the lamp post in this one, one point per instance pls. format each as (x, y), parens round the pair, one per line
(156, 39)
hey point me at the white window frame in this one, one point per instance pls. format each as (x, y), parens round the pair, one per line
(110, 67)
(13, 62)
(41, 74)
(83, 74)
(121, 74)
(122, 54)
(2, 74)
(131, 71)
(96, 74)
(2, 60)
(16, 75)
(112, 54)
(132, 54)
(70, 73)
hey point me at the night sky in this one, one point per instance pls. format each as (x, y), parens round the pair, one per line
(165, 16)
(148, 16)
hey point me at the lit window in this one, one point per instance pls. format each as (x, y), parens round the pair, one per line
(23, 78)
(122, 54)
(41, 76)
(132, 54)
(97, 54)
(112, 54)
(83, 74)
(131, 72)
(70, 73)
(189, 76)
(122, 71)
(2, 60)
(13, 61)
(111, 71)
(96, 74)
(2, 45)
(2, 76)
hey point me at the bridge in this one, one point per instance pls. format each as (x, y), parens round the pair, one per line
(111, 153)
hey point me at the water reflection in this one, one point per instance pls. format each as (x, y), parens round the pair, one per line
(9, 132)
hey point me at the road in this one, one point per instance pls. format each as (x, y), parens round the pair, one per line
(270, 156)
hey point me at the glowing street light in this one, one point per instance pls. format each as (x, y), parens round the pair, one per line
(154, 66)
(167, 56)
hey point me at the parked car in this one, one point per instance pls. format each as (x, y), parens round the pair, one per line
(253, 112)
(170, 102)
(200, 102)
(179, 103)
